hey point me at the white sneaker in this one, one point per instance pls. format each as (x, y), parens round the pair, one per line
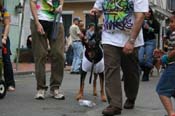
(57, 95)
(40, 94)
(11, 89)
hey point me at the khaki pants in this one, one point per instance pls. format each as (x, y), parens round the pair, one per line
(114, 58)
(40, 51)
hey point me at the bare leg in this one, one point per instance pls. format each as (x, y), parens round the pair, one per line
(103, 97)
(166, 101)
(82, 79)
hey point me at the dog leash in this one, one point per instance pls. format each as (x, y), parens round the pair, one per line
(56, 22)
(97, 42)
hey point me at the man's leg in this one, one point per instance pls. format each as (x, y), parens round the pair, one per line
(57, 60)
(149, 49)
(112, 79)
(130, 67)
(39, 47)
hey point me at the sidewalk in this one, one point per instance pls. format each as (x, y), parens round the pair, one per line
(26, 68)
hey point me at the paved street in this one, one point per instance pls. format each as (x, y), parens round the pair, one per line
(22, 102)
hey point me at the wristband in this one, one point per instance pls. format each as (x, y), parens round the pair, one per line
(132, 41)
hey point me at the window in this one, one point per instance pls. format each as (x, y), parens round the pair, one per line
(171, 5)
(67, 21)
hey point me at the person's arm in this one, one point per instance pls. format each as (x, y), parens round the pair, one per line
(139, 18)
(6, 27)
(61, 2)
(129, 46)
(79, 33)
(34, 11)
(34, 14)
(171, 54)
(60, 7)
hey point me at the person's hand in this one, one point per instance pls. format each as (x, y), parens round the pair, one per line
(128, 48)
(40, 29)
(59, 9)
(146, 26)
(164, 59)
(94, 11)
(4, 41)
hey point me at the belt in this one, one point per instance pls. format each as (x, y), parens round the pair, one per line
(77, 41)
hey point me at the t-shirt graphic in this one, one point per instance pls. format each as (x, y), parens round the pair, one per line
(118, 15)
(171, 44)
(45, 9)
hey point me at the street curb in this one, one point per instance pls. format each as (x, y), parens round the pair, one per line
(27, 72)
(30, 72)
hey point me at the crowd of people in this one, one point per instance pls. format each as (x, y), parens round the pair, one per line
(128, 42)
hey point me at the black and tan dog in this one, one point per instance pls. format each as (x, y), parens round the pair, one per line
(93, 62)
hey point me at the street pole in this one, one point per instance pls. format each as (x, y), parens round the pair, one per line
(20, 35)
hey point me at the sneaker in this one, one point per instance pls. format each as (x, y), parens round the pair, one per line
(111, 111)
(11, 88)
(40, 94)
(57, 95)
(129, 104)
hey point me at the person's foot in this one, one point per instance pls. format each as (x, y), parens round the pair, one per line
(40, 94)
(11, 88)
(145, 77)
(129, 104)
(111, 111)
(57, 95)
(74, 72)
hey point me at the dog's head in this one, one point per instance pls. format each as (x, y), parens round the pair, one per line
(93, 45)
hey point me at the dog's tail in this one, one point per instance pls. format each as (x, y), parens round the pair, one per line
(92, 68)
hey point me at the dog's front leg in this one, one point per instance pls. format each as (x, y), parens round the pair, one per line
(82, 79)
(103, 97)
(95, 84)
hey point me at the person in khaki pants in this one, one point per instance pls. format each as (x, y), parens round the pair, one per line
(43, 12)
(121, 37)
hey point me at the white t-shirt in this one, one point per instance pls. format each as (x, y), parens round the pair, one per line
(45, 10)
(118, 20)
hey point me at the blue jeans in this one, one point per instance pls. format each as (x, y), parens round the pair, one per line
(77, 55)
(166, 85)
(8, 69)
(69, 55)
(145, 53)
